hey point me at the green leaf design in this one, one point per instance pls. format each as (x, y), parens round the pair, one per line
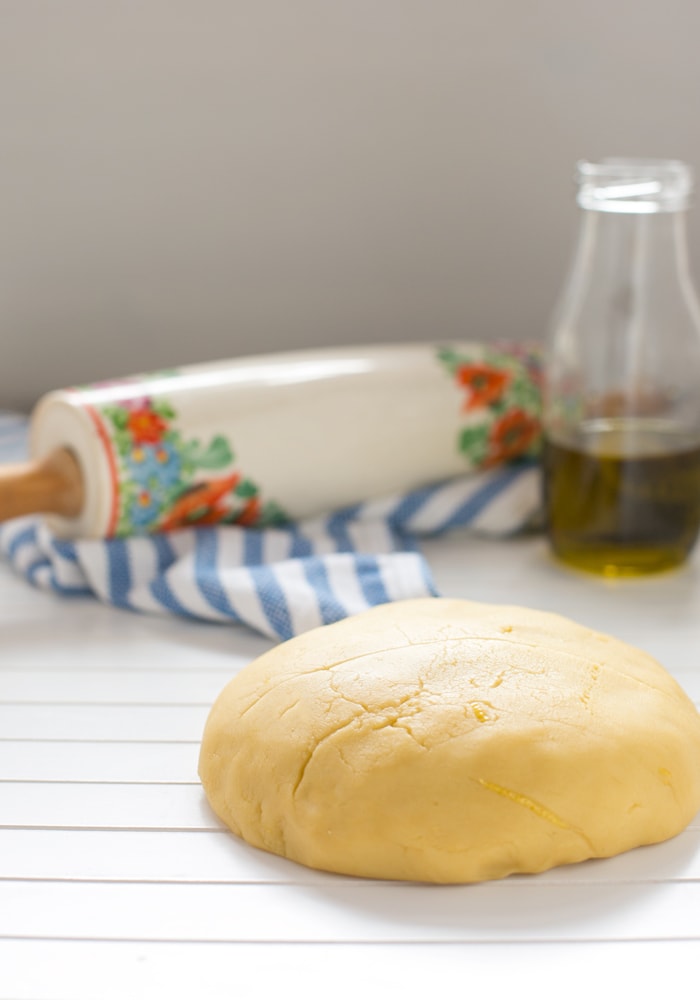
(217, 455)
(163, 409)
(473, 443)
(271, 516)
(118, 415)
(128, 491)
(525, 395)
(190, 448)
(450, 359)
(246, 489)
(500, 406)
(123, 442)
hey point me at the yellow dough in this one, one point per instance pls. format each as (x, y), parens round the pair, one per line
(448, 741)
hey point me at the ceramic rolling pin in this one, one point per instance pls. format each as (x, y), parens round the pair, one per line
(261, 440)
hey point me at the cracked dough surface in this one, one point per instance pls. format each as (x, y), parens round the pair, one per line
(449, 741)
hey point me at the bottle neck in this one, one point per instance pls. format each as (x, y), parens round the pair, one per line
(632, 252)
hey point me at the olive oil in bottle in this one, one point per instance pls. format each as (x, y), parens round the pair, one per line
(622, 496)
(621, 387)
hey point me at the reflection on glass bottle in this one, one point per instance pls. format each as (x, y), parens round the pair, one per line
(622, 383)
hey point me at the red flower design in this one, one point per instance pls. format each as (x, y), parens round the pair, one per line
(511, 436)
(250, 513)
(145, 426)
(485, 384)
(201, 504)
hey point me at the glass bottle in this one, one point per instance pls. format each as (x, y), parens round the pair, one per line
(621, 461)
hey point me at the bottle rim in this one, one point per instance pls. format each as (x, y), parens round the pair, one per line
(634, 185)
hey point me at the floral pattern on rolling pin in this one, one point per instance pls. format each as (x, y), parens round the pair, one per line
(165, 481)
(501, 404)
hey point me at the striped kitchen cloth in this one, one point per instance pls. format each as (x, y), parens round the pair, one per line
(279, 581)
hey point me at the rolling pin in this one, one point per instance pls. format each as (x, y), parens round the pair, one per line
(265, 440)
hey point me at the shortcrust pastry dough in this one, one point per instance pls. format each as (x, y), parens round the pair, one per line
(449, 741)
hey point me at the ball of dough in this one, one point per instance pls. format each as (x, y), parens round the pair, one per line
(448, 741)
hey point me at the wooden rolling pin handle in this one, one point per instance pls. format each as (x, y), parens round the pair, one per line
(52, 485)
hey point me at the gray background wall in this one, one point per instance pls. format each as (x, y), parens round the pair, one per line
(182, 180)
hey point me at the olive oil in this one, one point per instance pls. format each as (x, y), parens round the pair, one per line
(622, 497)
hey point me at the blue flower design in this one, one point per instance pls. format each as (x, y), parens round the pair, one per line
(160, 462)
(144, 510)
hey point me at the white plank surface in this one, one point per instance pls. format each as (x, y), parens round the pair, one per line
(352, 912)
(118, 721)
(75, 760)
(69, 970)
(117, 881)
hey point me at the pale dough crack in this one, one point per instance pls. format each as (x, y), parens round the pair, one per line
(394, 721)
(391, 703)
(537, 808)
(319, 743)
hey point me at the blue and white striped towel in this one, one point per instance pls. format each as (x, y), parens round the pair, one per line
(278, 581)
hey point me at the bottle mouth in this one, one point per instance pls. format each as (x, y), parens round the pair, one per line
(633, 185)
